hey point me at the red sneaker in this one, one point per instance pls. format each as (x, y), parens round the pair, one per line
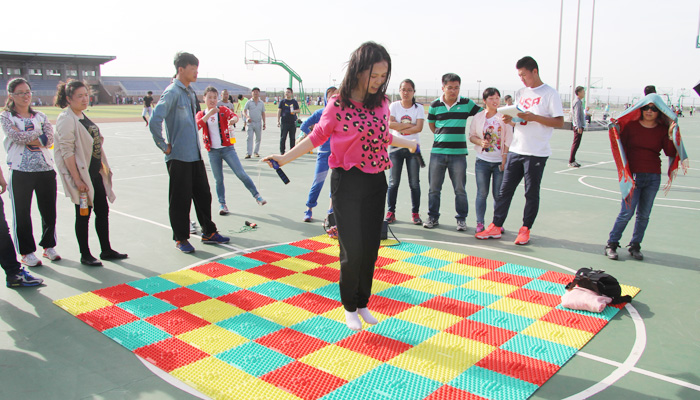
(523, 236)
(492, 232)
(390, 217)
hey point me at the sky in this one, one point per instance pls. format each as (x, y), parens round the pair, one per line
(635, 42)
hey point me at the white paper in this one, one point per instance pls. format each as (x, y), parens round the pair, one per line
(509, 110)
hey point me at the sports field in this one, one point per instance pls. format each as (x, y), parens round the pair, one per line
(648, 351)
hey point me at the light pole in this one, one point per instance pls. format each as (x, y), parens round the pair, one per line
(478, 90)
(609, 95)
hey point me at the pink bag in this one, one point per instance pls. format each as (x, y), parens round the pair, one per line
(583, 299)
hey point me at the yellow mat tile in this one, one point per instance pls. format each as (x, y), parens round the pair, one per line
(442, 357)
(283, 313)
(213, 310)
(296, 264)
(484, 285)
(340, 362)
(443, 255)
(428, 286)
(395, 254)
(212, 339)
(408, 268)
(243, 279)
(428, 317)
(82, 303)
(466, 270)
(185, 277)
(304, 282)
(522, 308)
(558, 334)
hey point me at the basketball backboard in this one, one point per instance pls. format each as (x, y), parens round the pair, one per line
(259, 52)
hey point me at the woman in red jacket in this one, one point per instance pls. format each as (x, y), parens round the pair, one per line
(215, 123)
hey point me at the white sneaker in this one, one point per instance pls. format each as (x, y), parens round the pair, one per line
(223, 210)
(51, 254)
(193, 227)
(30, 260)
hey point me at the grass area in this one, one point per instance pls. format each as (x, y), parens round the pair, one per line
(131, 111)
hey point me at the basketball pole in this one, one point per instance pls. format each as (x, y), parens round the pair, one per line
(590, 56)
(561, 17)
(573, 85)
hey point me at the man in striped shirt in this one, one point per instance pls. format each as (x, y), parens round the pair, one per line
(447, 118)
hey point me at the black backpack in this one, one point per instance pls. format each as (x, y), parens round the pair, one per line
(601, 283)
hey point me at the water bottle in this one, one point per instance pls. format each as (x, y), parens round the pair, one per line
(83, 204)
(281, 173)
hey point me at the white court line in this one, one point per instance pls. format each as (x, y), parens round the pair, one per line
(228, 246)
(138, 177)
(616, 200)
(615, 191)
(584, 166)
(640, 371)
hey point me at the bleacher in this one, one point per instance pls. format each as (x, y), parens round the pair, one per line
(139, 86)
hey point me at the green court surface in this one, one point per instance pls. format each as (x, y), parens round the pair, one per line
(649, 350)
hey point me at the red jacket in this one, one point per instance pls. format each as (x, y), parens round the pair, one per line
(225, 116)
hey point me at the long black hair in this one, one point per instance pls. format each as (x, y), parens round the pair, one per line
(363, 59)
(413, 85)
(65, 90)
(10, 101)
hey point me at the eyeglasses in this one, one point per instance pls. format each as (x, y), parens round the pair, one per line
(650, 107)
(22, 93)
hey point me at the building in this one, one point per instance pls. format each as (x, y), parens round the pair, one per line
(45, 70)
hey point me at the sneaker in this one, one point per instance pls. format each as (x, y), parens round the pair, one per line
(193, 227)
(223, 210)
(461, 226)
(112, 254)
(415, 218)
(492, 232)
(503, 230)
(257, 155)
(260, 200)
(23, 279)
(307, 215)
(247, 156)
(90, 261)
(480, 227)
(30, 260)
(574, 164)
(51, 254)
(214, 238)
(611, 250)
(431, 223)
(390, 217)
(635, 251)
(184, 246)
(243, 129)
(523, 236)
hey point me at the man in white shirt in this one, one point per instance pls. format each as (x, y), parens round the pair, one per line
(254, 114)
(529, 150)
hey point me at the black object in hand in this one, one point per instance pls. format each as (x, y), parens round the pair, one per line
(418, 155)
(281, 173)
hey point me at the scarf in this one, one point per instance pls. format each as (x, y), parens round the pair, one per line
(624, 176)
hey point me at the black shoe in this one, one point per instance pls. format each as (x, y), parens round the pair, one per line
(635, 251)
(113, 255)
(610, 250)
(90, 261)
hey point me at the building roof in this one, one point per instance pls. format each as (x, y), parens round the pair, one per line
(19, 56)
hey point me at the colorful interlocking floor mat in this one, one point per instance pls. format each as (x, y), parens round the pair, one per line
(270, 325)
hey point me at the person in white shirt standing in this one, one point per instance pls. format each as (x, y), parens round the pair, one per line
(407, 118)
(529, 150)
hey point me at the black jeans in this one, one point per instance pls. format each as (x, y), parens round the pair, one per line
(188, 183)
(82, 223)
(517, 167)
(287, 128)
(22, 187)
(358, 205)
(8, 257)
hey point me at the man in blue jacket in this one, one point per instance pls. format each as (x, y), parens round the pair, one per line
(188, 177)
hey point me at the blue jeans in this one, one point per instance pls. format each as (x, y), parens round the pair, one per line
(228, 154)
(483, 171)
(646, 187)
(319, 178)
(397, 158)
(456, 166)
(517, 167)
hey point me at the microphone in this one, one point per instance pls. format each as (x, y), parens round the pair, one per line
(279, 171)
(252, 225)
(418, 154)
